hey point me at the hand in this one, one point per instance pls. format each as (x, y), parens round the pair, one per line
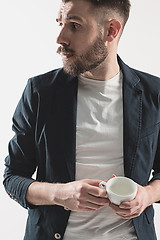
(132, 209)
(81, 196)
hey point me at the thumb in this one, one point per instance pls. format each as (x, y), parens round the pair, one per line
(113, 175)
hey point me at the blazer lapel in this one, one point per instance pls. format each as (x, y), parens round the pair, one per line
(132, 114)
(67, 112)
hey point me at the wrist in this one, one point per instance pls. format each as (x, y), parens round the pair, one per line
(40, 193)
(56, 194)
(153, 191)
(149, 193)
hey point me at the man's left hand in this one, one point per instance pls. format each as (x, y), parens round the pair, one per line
(134, 208)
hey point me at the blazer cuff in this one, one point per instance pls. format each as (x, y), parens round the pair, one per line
(16, 187)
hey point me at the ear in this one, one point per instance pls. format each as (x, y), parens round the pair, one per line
(114, 28)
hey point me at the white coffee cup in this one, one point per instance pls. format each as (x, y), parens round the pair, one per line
(119, 189)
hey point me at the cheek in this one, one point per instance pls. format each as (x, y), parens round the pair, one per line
(81, 44)
(84, 38)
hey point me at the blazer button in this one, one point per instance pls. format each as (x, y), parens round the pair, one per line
(57, 236)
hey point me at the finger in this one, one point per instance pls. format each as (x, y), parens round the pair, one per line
(96, 191)
(87, 209)
(90, 205)
(125, 212)
(129, 216)
(97, 200)
(126, 205)
(115, 207)
(113, 175)
(93, 182)
(92, 187)
(119, 210)
(129, 205)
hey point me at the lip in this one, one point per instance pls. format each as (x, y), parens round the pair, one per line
(66, 55)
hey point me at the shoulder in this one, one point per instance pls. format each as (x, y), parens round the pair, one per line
(139, 78)
(47, 83)
(48, 79)
(147, 77)
(148, 81)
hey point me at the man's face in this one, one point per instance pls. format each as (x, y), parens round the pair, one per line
(81, 43)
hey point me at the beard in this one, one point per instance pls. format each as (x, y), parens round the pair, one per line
(87, 61)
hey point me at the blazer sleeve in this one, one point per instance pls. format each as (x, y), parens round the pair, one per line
(20, 164)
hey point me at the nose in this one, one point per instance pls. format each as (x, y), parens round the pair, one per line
(63, 37)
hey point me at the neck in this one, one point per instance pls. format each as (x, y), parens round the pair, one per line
(105, 71)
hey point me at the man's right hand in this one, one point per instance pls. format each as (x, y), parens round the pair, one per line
(80, 196)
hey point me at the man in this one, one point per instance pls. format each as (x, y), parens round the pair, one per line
(81, 124)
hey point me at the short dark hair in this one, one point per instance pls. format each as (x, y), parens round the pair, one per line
(122, 7)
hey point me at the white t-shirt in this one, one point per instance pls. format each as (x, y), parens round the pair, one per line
(99, 154)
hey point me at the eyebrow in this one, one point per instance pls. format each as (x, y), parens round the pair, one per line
(72, 17)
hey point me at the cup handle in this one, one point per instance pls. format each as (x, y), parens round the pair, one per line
(102, 185)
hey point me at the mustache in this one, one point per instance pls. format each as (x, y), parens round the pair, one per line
(65, 50)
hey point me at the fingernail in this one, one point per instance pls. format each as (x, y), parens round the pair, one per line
(122, 206)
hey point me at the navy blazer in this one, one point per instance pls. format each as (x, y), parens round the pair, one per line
(45, 141)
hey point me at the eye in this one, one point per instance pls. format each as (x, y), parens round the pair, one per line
(75, 26)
